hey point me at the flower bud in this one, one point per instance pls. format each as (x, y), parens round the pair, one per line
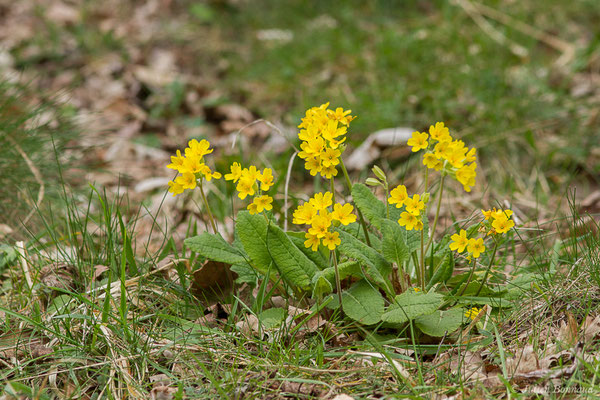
(425, 197)
(373, 182)
(379, 173)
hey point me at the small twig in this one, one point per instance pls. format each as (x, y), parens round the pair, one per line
(287, 185)
(20, 247)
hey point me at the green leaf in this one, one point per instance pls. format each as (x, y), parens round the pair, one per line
(444, 271)
(214, 247)
(252, 231)
(324, 281)
(378, 268)
(246, 274)
(440, 323)
(272, 317)
(410, 305)
(372, 208)
(292, 264)
(393, 246)
(363, 303)
(315, 256)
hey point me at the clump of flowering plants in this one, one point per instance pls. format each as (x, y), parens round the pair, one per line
(376, 260)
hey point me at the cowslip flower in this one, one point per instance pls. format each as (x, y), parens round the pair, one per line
(418, 141)
(499, 221)
(260, 203)
(312, 241)
(236, 172)
(475, 247)
(409, 221)
(343, 213)
(439, 132)
(472, 313)
(191, 167)
(331, 240)
(459, 241)
(304, 214)
(320, 225)
(414, 205)
(266, 179)
(398, 196)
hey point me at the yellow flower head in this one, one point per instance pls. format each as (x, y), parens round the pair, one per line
(431, 161)
(192, 164)
(313, 165)
(312, 241)
(187, 180)
(343, 213)
(414, 205)
(418, 141)
(439, 132)
(245, 187)
(409, 221)
(466, 175)
(330, 157)
(459, 241)
(304, 214)
(321, 201)
(340, 115)
(236, 172)
(266, 179)
(208, 174)
(331, 240)
(398, 196)
(320, 225)
(250, 173)
(176, 162)
(175, 188)
(260, 203)
(329, 172)
(472, 313)
(502, 224)
(198, 149)
(476, 247)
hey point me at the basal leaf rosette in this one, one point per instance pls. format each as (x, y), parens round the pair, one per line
(321, 214)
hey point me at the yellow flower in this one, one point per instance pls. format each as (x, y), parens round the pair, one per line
(321, 201)
(192, 164)
(245, 187)
(320, 225)
(261, 203)
(314, 147)
(343, 213)
(175, 188)
(250, 174)
(414, 205)
(329, 172)
(332, 240)
(472, 313)
(487, 214)
(476, 247)
(266, 179)
(198, 149)
(442, 150)
(332, 131)
(313, 165)
(439, 132)
(176, 161)
(398, 196)
(208, 174)
(503, 224)
(187, 180)
(312, 241)
(416, 289)
(408, 220)
(304, 214)
(431, 161)
(330, 157)
(470, 157)
(236, 172)
(466, 175)
(340, 115)
(310, 133)
(418, 141)
(460, 241)
(252, 208)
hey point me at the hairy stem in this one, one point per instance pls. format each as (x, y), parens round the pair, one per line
(338, 283)
(208, 211)
(487, 272)
(360, 216)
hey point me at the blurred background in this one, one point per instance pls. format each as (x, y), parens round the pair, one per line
(112, 88)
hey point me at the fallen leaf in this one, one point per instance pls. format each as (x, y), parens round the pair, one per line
(212, 282)
(370, 149)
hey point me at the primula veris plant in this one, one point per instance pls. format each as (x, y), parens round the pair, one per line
(399, 271)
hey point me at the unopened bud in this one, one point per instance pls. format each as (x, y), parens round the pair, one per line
(373, 182)
(425, 197)
(379, 173)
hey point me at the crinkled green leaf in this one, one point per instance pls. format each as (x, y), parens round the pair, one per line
(214, 247)
(315, 256)
(363, 303)
(440, 323)
(272, 317)
(252, 231)
(245, 272)
(324, 281)
(377, 267)
(292, 264)
(372, 208)
(443, 271)
(393, 246)
(410, 305)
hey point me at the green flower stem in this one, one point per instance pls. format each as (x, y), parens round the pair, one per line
(208, 211)
(387, 196)
(468, 279)
(332, 189)
(338, 283)
(422, 264)
(360, 216)
(437, 215)
(487, 272)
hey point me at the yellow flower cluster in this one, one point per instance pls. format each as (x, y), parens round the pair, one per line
(460, 241)
(191, 167)
(413, 206)
(316, 213)
(444, 153)
(472, 313)
(498, 221)
(322, 131)
(251, 181)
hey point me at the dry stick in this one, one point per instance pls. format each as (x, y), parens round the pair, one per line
(36, 174)
(287, 185)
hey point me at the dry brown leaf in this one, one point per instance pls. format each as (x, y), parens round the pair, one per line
(371, 148)
(591, 328)
(212, 282)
